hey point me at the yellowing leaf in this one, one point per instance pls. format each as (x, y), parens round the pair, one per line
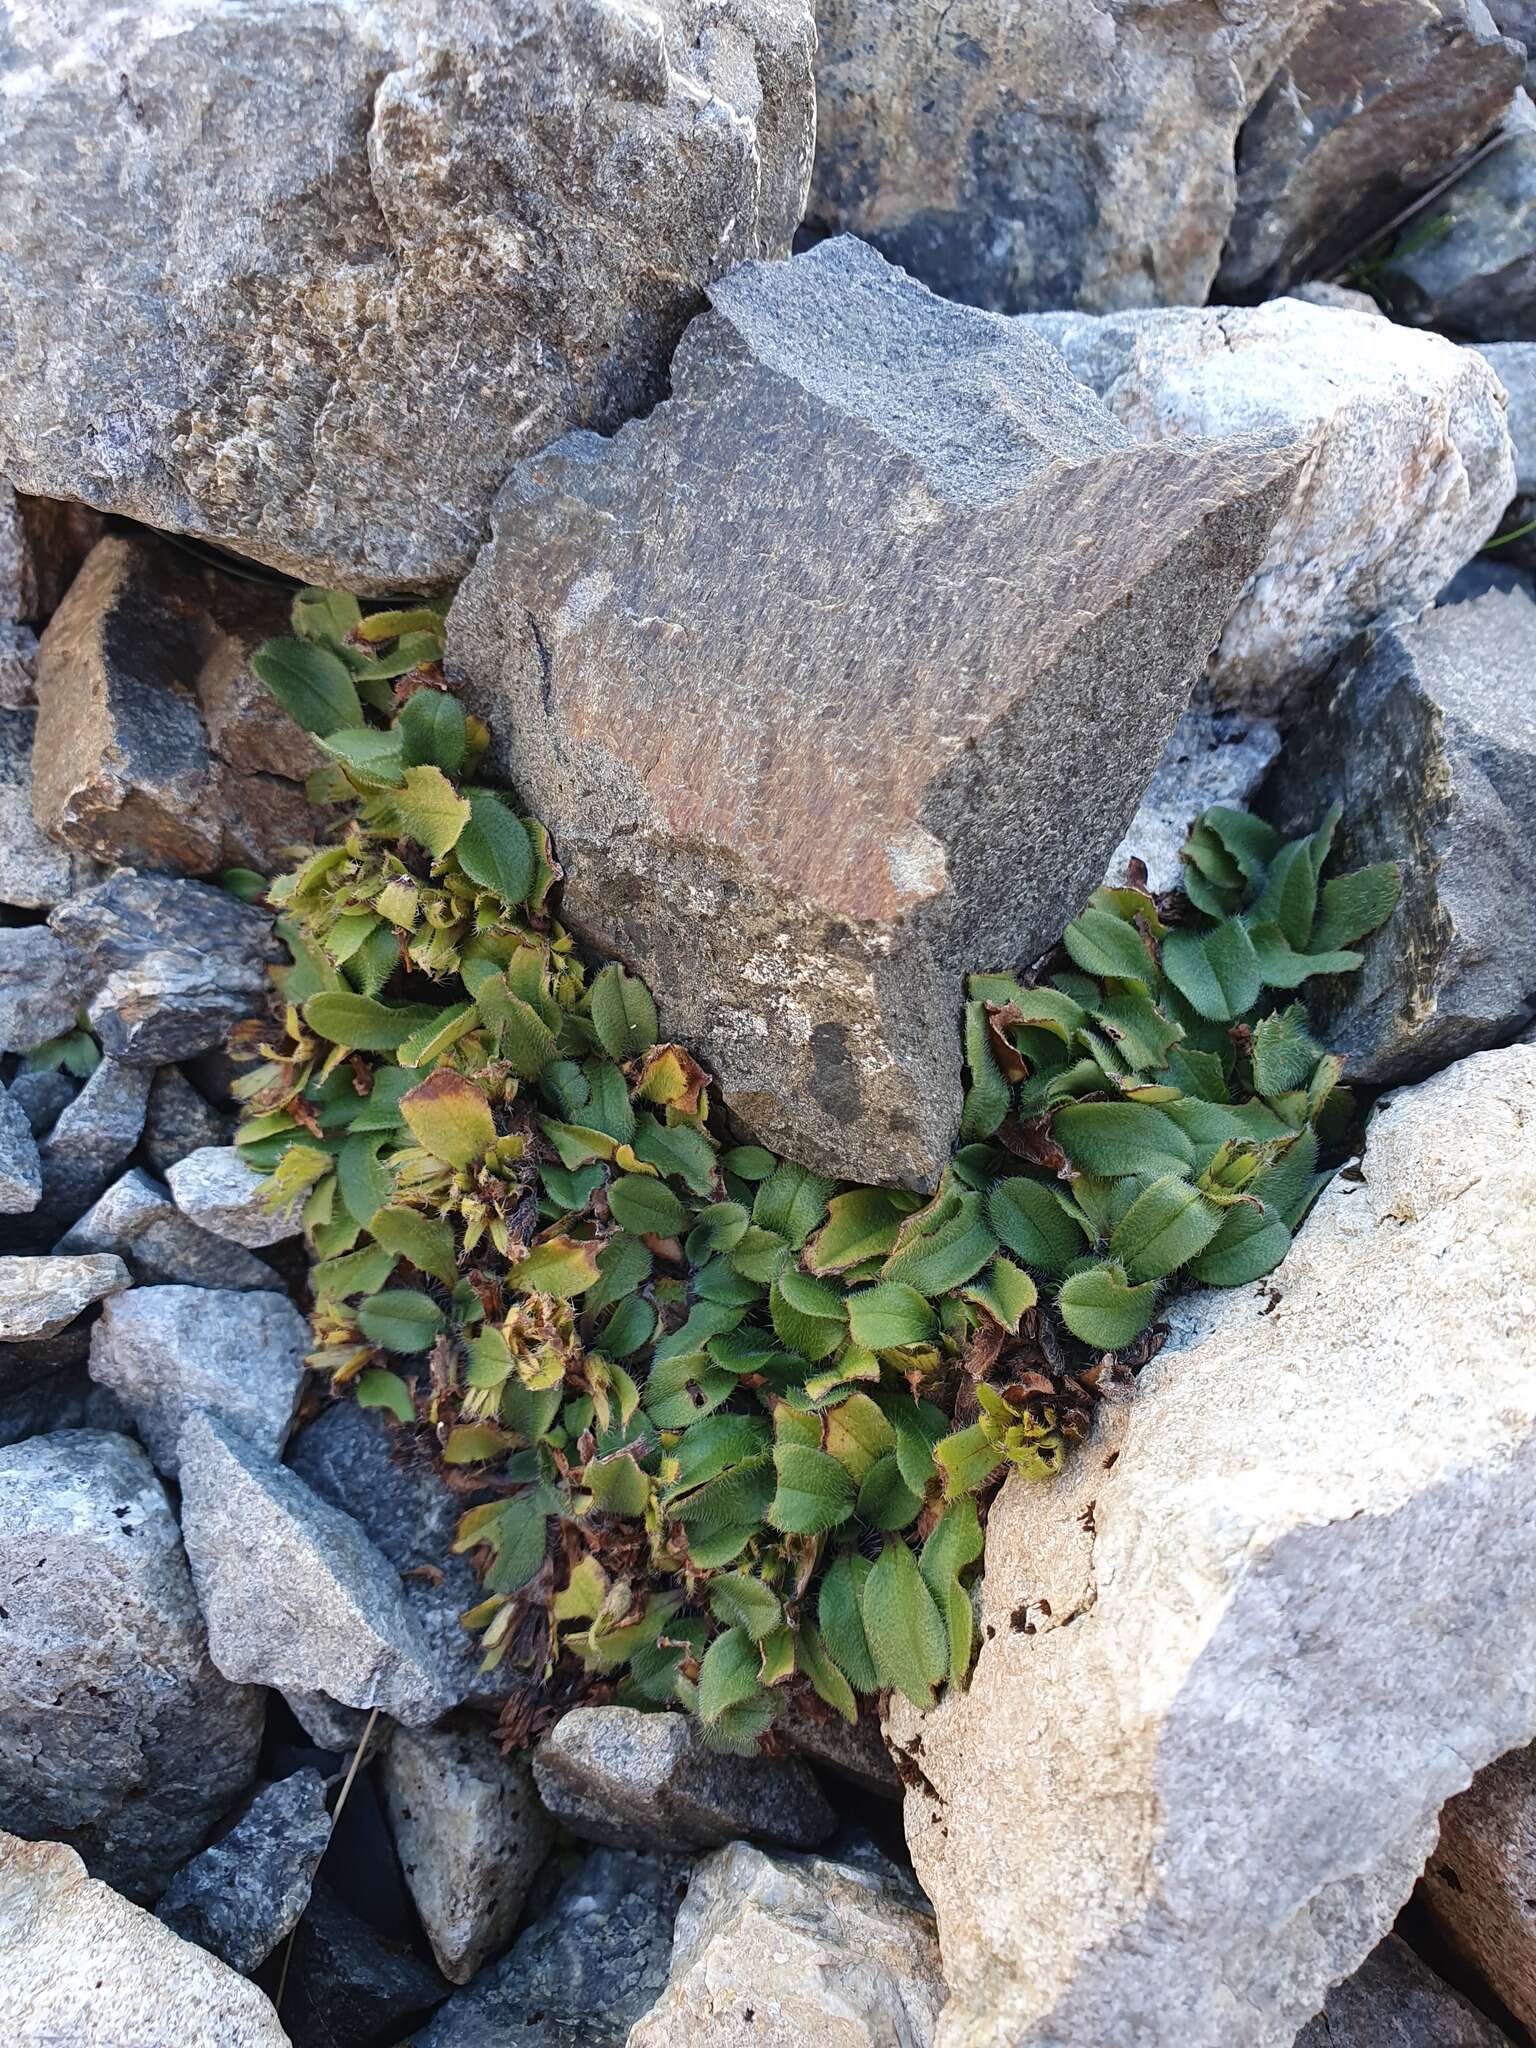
(430, 809)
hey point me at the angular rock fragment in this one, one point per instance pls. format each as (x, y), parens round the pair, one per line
(294, 1593)
(92, 1138)
(1410, 472)
(137, 1219)
(1427, 737)
(1377, 102)
(1039, 154)
(245, 1892)
(1394, 1999)
(44, 1386)
(34, 872)
(812, 752)
(169, 1353)
(1514, 364)
(250, 286)
(471, 1835)
(1467, 264)
(178, 1121)
(18, 667)
(117, 1735)
(39, 1297)
(633, 1780)
(82, 1965)
(1214, 757)
(170, 964)
(585, 1971)
(21, 1176)
(41, 1095)
(126, 766)
(220, 1193)
(1181, 1654)
(816, 1951)
(1479, 1886)
(349, 1987)
(40, 987)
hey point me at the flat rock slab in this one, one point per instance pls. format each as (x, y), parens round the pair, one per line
(1394, 2001)
(634, 1780)
(1236, 1676)
(295, 1594)
(1410, 472)
(471, 1835)
(288, 202)
(786, 1951)
(117, 1734)
(39, 1297)
(1427, 738)
(169, 1353)
(812, 752)
(1479, 1886)
(244, 1893)
(81, 1965)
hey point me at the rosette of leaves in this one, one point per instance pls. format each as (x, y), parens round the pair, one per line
(733, 1427)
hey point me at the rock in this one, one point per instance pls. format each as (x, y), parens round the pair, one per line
(34, 873)
(178, 1121)
(170, 1353)
(220, 1193)
(1467, 264)
(357, 1461)
(1190, 1825)
(782, 1951)
(127, 766)
(1409, 474)
(1341, 297)
(334, 1728)
(244, 1893)
(471, 1835)
(18, 666)
(1214, 757)
(44, 1386)
(1427, 736)
(1479, 1886)
(137, 1219)
(295, 1594)
(348, 1987)
(43, 542)
(635, 1780)
(804, 869)
(857, 1752)
(82, 1965)
(41, 1096)
(1514, 364)
(584, 1972)
(1393, 2001)
(117, 1735)
(40, 1297)
(21, 1176)
(1482, 574)
(267, 254)
(1377, 102)
(1033, 155)
(92, 1138)
(39, 987)
(171, 964)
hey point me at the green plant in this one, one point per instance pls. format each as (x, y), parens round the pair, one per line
(733, 1423)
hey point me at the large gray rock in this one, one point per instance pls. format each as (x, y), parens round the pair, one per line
(137, 1219)
(1467, 263)
(1479, 1886)
(91, 1138)
(1035, 153)
(246, 1890)
(39, 1297)
(1410, 471)
(44, 1386)
(34, 872)
(21, 1175)
(786, 1951)
(228, 316)
(634, 1780)
(83, 1966)
(117, 1734)
(1214, 757)
(1393, 2001)
(581, 1974)
(169, 1353)
(40, 987)
(219, 1191)
(178, 1121)
(810, 752)
(1225, 1687)
(1427, 737)
(41, 1094)
(294, 1593)
(1380, 100)
(471, 1835)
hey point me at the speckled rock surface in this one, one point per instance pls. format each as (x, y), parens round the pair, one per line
(246, 1891)
(40, 987)
(137, 1219)
(117, 1734)
(1479, 1886)
(91, 1138)
(471, 1835)
(1214, 757)
(294, 1593)
(220, 1193)
(178, 1121)
(786, 1951)
(633, 1780)
(349, 1987)
(802, 849)
(1469, 267)
(1394, 2001)
(21, 1176)
(41, 1296)
(34, 872)
(82, 1965)
(228, 316)
(1190, 1825)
